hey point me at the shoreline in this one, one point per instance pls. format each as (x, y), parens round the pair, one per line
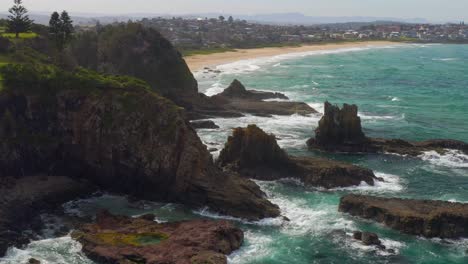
(199, 62)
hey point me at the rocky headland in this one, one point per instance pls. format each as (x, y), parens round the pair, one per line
(340, 130)
(255, 154)
(416, 217)
(126, 140)
(120, 239)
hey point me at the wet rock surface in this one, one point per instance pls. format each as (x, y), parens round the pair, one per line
(340, 130)
(23, 199)
(120, 239)
(417, 217)
(255, 154)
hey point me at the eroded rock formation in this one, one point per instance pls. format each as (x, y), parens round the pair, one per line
(340, 130)
(417, 217)
(254, 154)
(119, 240)
(236, 98)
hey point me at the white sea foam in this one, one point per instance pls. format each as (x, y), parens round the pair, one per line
(289, 130)
(48, 251)
(247, 66)
(366, 117)
(444, 59)
(391, 183)
(451, 158)
(206, 212)
(360, 249)
(252, 65)
(256, 248)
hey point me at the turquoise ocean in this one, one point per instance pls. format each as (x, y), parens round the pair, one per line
(408, 91)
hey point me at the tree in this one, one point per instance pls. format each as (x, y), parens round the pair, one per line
(18, 21)
(230, 20)
(61, 29)
(221, 18)
(67, 27)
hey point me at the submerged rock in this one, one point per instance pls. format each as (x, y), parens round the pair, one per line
(22, 200)
(255, 154)
(417, 217)
(340, 130)
(237, 99)
(120, 239)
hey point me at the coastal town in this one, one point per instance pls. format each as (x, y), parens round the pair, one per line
(225, 33)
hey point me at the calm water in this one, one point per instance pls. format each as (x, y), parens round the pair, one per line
(413, 92)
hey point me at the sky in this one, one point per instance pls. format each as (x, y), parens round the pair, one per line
(435, 10)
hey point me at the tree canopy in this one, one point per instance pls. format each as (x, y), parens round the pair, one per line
(18, 20)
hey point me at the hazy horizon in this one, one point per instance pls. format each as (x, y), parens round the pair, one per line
(433, 10)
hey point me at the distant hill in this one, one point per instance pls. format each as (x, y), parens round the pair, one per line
(283, 19)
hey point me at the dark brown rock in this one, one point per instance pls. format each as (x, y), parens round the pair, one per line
(33, 261)
(237, 90)
(206, 124)
(340, 130)
(119, 239)
(370, 239)
(417, 217)
(237, 99)
(254, 154)
(129, 141)
(21, 200)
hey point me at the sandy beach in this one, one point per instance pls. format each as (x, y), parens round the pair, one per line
(198, 62)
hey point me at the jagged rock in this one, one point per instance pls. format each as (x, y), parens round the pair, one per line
(119, 240)
(340, 130)
(33, 261)
(207, 124)
(417, 217)
(367, 238)
(254, 154)
(237, 99)
(126, 140)
(21, 200)
(237, 90)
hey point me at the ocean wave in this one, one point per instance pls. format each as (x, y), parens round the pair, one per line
(206, 212)
(445, 59)
(360, 249)
(366, 117)
(256, 247)
(451, 158)
(390, 183)
(289, 130)
(251, 65)
(48, 251)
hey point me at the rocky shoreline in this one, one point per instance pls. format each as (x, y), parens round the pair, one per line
(416, 217)
(23, 199)
(119, 239)
(255, 154)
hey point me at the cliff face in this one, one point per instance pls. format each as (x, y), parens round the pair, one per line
(130, 141)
